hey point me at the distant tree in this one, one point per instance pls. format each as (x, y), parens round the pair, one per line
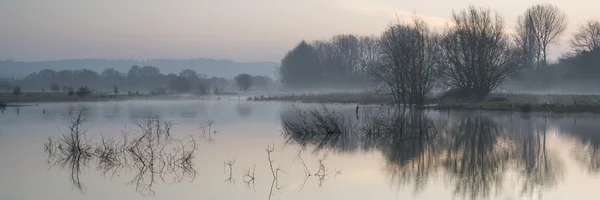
(542, 24)
(189, 74)
(244, 81)
(71, 91)
(115, 90)
(370, 56)
(179, 84)
(87, 77)
(202, 89)
(134, 73)
(5, 85)
(83, 91)
(479, 56)
(112, 76)
(150, 72)
(582, 66)
(300, 67)
(17, 91)
(587, 37)
(159, 91)
(261, 81)
(54, 87)
(65, 77)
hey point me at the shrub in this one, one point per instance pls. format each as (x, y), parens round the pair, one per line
(71, 92)
(83, 91)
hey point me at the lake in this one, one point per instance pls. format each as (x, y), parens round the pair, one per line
(236, 149)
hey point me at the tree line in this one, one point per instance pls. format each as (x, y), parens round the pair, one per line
(471, 57)
(137, 78)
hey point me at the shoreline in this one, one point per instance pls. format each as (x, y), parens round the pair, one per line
(555, 103)
(29, 99)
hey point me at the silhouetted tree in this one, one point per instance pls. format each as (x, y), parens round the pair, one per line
(244, 81)
(83, 91)
(54, 87)
(71, 91)
(542, 24)
(479, 56)
(587, 37)
(17, 91)
(299, 66)
(261, 81)
(112, 76)
(179, 84)
(5, 85)
(410, 62)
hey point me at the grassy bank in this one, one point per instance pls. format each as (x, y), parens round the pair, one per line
(9, 99)
(362, 98)
(495, 102)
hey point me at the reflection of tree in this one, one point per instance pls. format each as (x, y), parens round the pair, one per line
(151, 153)
(473, 150)
(407, 142)
(475, 159)
(587, 133)
(539, 168)
(244, 110)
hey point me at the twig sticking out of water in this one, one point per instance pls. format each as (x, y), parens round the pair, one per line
(206, 130)
(151, 153)
(72, 149)
(322, 173)
(337, 172)
(274, 171)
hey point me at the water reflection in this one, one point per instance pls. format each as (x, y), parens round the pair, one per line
(149, 151)
(472, 151)
(244, 110)
(588, 132)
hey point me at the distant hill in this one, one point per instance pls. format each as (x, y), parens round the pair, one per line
(211, 67)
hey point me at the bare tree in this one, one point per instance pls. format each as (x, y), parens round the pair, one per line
(525, 38)
(544, 23)
(479, 55)
(587, 37)
(370, 54)
(409, 64)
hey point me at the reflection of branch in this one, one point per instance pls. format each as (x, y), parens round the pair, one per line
(337, 172)
(274, 171)
(306, 171)
(151, 153)
(230, 163)
(322, 173)
(249, 178)
(270, 150)
(207, 131)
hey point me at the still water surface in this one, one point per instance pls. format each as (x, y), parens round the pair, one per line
(270, 150)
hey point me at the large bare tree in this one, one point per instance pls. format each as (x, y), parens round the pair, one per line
(540, 26)
(587, 37)
(409, 65)
(478, 54)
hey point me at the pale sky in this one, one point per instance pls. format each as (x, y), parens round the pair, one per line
(241, 30)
